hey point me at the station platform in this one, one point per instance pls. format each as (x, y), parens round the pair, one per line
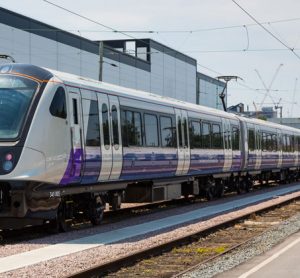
(281, 261)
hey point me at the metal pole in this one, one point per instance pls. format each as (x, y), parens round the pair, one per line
(101, 50)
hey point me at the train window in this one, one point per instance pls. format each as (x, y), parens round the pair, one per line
(75, 111)
(206, 140)
(58, 104)
(287, 143)
(264, 143)
(292, 143)
(167, 131)
(251, 140)
(105, 125)
(185, 132)
(131, 128)
(93, 131)
(235, 138)
(284, 146)
(179, 132)
(151, 130)
(195, 134)
(274, 142)
(216, 137)
(115, 125)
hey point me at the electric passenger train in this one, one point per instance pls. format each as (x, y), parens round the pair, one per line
(68, 145)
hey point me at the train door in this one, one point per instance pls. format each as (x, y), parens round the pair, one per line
(116, 140)
(258, 150)
(77, 146)
(110, 130)
(92, 155)
(183, 147)
(227, 145)
(279, 148)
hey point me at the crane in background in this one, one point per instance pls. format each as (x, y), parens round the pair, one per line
(268, 89)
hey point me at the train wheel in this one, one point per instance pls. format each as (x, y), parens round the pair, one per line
(97, 207)
(210, 190)
(219, 189)
(63, 223)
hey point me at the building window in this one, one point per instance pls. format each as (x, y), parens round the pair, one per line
(151, 130)
(58, 105)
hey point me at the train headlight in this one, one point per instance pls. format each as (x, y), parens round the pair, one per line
(8, 162)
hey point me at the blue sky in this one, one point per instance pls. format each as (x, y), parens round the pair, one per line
(238, 50)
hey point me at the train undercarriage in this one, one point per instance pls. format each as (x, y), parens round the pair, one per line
(31, 205)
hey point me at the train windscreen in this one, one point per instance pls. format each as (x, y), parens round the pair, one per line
(16, 94)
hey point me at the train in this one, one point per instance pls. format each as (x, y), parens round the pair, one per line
(69, 145)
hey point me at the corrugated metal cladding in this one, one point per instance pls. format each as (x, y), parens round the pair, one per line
(149, 66)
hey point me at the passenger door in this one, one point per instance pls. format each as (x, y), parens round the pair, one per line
(110, 130)
(183, 147)
(116, 140)
(279, 148)
(227, 145)
(258, 147)
(77, 146)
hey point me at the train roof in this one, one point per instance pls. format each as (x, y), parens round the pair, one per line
(137, 94)
(142, 95)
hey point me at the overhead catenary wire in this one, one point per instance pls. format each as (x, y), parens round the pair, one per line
(268, 31)
(125, 33)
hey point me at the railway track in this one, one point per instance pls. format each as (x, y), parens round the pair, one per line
(111, 216)
(176, 257)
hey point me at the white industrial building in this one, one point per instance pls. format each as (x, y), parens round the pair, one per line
(142, 64)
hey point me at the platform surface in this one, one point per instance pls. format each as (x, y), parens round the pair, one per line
(282, 261)
(69, 247)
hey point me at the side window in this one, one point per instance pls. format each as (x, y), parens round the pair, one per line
(206, 140)
(151, 130)
(251, 139)
(167, 131)
(264, 143)
(75, 111)
(124, 128)
(274, 140)
(195, 134)
(235, 138)
(105, 125)
(284, 145)
(216, 139)
(131, 128)
(179, 132)
(58, 105)
(185, 135)
(115, 125)
(93, 130)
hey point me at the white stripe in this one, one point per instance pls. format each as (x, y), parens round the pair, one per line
(267, 261)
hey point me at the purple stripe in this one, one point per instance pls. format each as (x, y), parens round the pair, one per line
(72, 173)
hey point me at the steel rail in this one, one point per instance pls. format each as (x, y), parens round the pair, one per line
(129, 260)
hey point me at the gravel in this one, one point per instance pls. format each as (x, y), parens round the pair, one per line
(67, 265)
(255, 247)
